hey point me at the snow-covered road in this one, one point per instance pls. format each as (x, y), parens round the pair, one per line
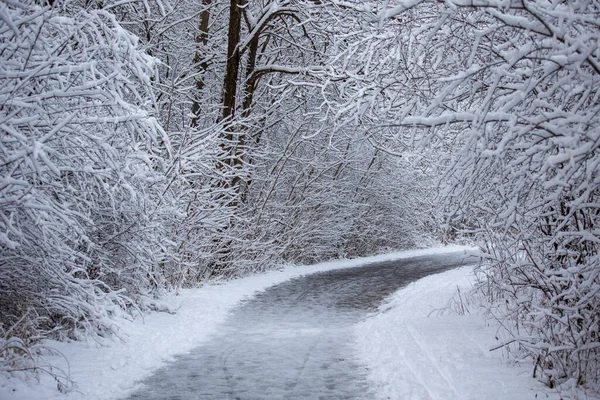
(292, 341)
(302, 332)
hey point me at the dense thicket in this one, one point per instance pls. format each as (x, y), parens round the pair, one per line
(81, 168)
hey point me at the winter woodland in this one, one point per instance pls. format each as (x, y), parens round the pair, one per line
(151, 145)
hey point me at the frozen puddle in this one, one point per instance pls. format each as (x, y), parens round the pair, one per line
(293, 340)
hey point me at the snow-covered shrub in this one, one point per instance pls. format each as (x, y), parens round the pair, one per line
(21, 353)
(80, 222)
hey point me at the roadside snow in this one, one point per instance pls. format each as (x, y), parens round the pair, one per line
(111, 370)
(415, 352)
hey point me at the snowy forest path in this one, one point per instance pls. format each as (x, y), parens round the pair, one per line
(293, 340)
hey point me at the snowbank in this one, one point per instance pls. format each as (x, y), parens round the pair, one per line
(413, 351)
(110, 370)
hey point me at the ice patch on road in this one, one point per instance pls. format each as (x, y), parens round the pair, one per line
(111, 370)
(414, 353)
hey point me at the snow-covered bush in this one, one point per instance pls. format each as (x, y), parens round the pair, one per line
(23, 354)
(81, 179)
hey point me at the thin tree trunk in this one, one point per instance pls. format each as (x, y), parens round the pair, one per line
(201, 42)
(229, 182)
(233, 58)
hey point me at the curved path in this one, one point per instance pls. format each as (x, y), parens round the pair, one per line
(292, 341)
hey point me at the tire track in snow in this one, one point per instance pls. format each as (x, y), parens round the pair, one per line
(431, 359)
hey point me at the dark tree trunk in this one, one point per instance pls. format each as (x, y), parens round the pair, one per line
(201, 42)
(233, 58)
